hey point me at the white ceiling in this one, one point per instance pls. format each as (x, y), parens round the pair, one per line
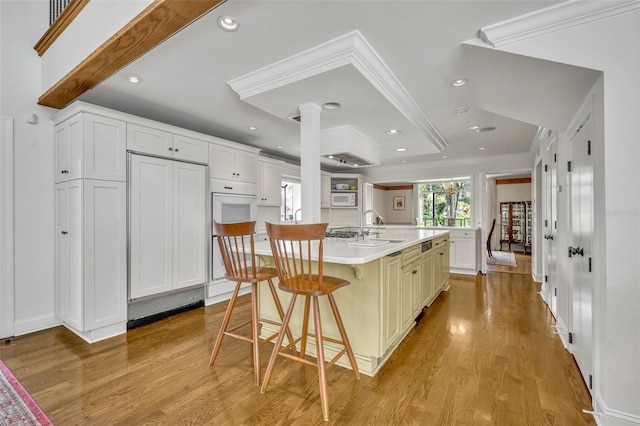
(184, 80)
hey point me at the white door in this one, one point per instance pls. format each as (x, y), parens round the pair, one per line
(6, 227)
(189, 224)
(150, 225)
(550, 228)
(581, 178)
(62, 251)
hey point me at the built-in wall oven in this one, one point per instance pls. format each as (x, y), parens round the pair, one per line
(230, 202)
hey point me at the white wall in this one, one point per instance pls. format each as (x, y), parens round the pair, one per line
(384, 199)
(512, 192)
(23, 23)
(611, 45)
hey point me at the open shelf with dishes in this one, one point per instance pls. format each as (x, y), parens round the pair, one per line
(516, 224)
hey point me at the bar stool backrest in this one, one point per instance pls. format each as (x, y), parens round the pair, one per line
(237, 249)
(294, 249)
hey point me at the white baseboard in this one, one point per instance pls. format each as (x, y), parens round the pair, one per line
(31, 325)
(605, 416)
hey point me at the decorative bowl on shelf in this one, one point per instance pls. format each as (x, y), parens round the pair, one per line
(353, 188)
(342, 186)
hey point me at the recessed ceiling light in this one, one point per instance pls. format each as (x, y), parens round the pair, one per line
(459, 82)
(393, 132)
(401, 149)
(252, 128)
(331, 105)
(134, 78)
(474, 127)
(482, 148)
(228, 23)
(278, 146)
(331, 156)
(485, 129)
(461, 110)
(444, 156)
(404, 161)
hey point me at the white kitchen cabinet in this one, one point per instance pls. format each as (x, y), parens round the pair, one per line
(463, 251)
(167, 225)
(148, 140)
(231, 163)
(91, 268)
(325, 191)
(90, 146)
(392, 306)
(270, 183)
(411, 293)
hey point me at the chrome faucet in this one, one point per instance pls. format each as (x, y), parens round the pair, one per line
(295, 216)
(378, 221)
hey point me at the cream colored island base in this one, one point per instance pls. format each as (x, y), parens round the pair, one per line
(379, 308)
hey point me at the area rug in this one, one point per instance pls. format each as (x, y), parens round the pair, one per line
(16, 405)
(504, 258)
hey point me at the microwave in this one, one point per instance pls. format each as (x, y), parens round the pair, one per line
(343, 199)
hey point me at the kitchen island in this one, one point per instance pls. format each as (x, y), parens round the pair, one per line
(393, 277)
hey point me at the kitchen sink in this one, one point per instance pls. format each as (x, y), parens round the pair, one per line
(369, 243)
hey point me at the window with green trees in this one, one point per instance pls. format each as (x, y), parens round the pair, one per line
(445, 203)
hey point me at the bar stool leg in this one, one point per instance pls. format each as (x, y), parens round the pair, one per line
(255, 341)
(224, 325)
(322, 374)
(343, 334)
(278, 344)
(305, 327)
(276, 301)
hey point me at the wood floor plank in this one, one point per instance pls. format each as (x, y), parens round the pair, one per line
(484, 353)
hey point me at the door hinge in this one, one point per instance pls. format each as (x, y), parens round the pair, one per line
(546, 278)
(570, 251)
(570, 337)
(546, 223)
(555, 291)
(546, 168)
(569, 166)
(588, 147)
(590, 381)
(555, 224)
(589, 264)
(555, 158)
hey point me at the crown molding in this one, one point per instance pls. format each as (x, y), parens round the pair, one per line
(554, 18)
(349, 49)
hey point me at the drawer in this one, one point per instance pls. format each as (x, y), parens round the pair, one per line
(410, 254)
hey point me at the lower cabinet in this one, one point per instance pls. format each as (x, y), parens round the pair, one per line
(428, 289)
(91, 260)
(441, 263)
(392, 301)
(463, 251)
(167, 225)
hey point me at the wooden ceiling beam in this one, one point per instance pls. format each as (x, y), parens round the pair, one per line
(156, 23)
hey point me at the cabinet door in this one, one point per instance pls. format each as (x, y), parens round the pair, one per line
(105, 253)
(270, 184)
(68, 149)
(62, 252)
(392, 304)
(105, 148)
(75, 317)
(463, 253)
(189, 224)
(222, 162)
(190, 149)
(151, 225)
(427, 278)
(149, 141)
(246, 167)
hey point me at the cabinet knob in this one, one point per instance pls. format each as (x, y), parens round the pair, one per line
(176, 150)
(170, 149)
(64, 171)
(64, 232)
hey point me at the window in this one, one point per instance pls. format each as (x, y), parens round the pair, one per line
(291, 200)
(445, 203)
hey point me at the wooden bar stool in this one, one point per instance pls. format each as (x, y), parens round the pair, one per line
(237, 250)
(293, 247)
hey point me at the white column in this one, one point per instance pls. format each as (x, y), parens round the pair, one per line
(310, 161)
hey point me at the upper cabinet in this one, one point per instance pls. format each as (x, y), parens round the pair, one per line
(270, 183)
(90, 146)
(325, 190)
(231, 163)
(147, 140)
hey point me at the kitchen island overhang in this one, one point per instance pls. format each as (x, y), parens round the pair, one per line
(390, 284)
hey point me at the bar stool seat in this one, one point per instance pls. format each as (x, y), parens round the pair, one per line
(237, 249)
(292, 247)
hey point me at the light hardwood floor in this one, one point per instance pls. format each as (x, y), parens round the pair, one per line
(483, 354)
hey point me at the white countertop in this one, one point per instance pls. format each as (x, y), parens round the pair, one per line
(340, 251)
